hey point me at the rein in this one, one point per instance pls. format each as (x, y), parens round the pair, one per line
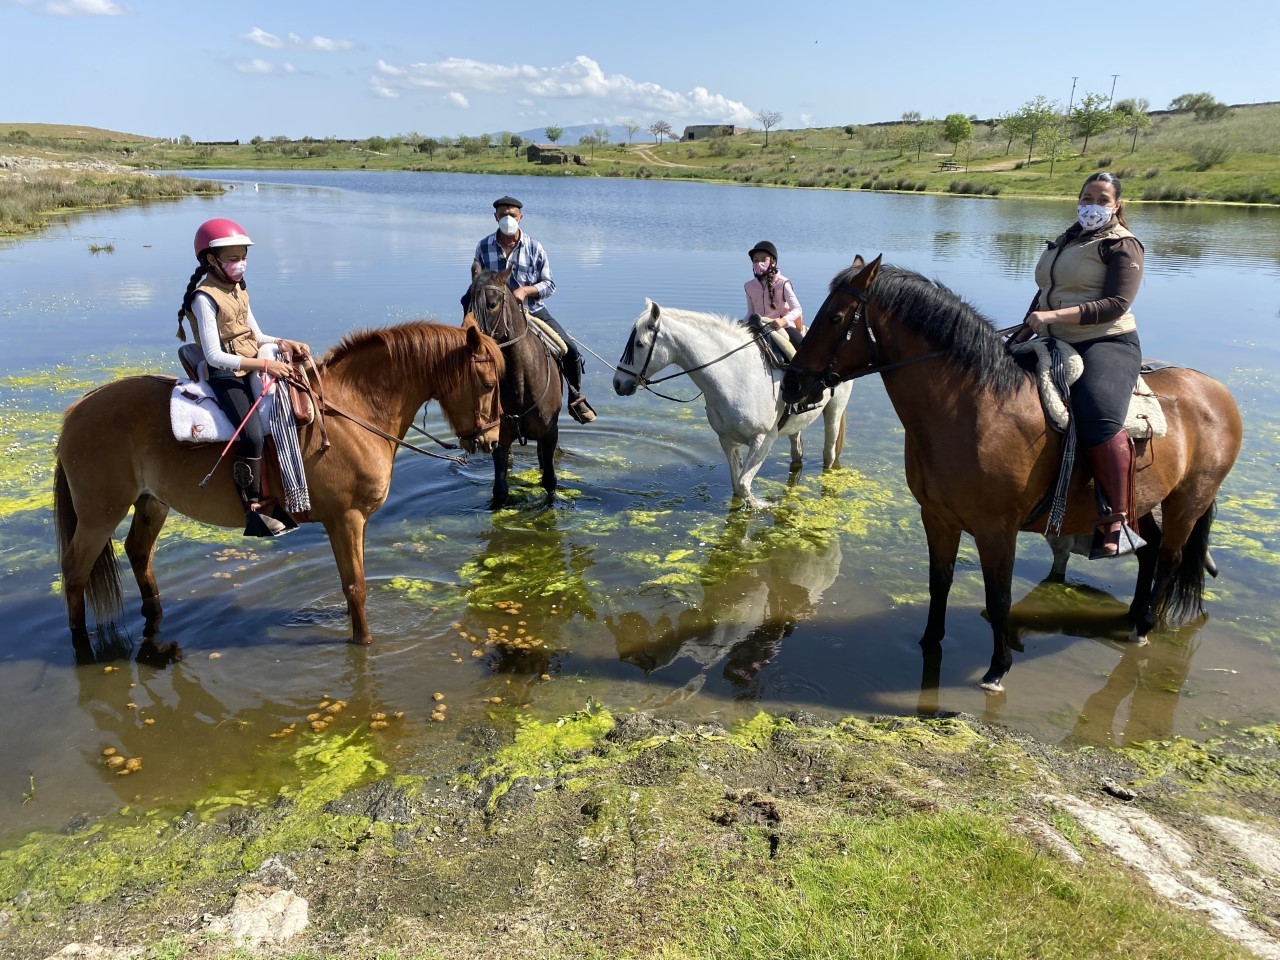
(481, 321)
(647, 384)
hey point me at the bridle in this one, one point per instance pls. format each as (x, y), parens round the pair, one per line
(647, 384)
(857, 318)
(484, 319)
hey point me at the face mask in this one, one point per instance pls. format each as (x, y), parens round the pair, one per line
(1092, 216)
(760, 268)
(233, 271)
(509, 225)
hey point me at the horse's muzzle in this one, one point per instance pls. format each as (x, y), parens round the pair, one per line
(801, 386)
(624, 384)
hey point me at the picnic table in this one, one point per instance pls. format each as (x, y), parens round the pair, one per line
(945, 165)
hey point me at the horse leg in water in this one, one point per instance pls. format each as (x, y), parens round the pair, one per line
(757, 451)
(547, 459)
(346, 536)
(996, 550)
(833, 425)
(149, 515)
(944, 544)
(1179, 568)
(797, 452)
(733, 454)
(88, 560)
(501, 467)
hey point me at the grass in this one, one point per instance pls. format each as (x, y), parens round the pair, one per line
(26, 204)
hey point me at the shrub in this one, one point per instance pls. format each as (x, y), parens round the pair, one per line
(1127, 172)
(1152, 173)
(1209, 153)
(1104, 162)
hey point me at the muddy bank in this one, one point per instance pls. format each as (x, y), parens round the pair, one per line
(633, 836)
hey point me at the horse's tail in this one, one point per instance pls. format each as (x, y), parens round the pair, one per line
(1185, 597)
(103, 590)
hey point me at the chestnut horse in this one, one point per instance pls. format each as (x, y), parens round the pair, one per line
(980, 459)
(531, 389)
(117, 450)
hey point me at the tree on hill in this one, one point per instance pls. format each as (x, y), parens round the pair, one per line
(768, 119)
(630, 125)
(428, 145)
(554, 134)
(516, 142)
(956, 129)
(660, 129)
(1203, 105)
(1055, 141)
(1093, 114)
(911, 116)
(1035, 115)
(850, 130)
(920, 135)
(1132, 118)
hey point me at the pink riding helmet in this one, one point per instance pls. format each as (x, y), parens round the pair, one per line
(220, 233)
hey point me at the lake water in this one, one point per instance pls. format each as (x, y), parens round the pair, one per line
(641, 587)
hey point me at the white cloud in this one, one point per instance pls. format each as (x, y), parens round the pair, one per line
(578, 79)
(263, 39)
(455, 99)
(254, 66)
(75, 8)
(295, 42)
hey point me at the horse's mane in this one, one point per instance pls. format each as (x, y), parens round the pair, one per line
(718, 321)
(429, 348)
(947, 321)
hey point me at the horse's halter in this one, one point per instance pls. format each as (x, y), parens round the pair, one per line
(494, 412)
(628, 353)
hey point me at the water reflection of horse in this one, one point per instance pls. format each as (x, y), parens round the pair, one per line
(531, 389)
(980, 460)
(117, 450)
(742, 613)
(741, 390)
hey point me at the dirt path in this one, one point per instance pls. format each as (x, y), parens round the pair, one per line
(647, 154)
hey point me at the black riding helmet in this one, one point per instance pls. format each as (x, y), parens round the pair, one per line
(764, 246)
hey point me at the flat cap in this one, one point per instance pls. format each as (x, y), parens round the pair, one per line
(508, 202)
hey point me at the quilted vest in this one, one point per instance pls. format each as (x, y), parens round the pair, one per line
(1072, 272)
(232, 303)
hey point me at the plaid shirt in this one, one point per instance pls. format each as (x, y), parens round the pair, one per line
(531, 267)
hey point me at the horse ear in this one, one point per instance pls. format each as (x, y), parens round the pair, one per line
(858, 262)
(475, 269)
(473, 335)
(505, 275)
(654, 309)
(469, 321)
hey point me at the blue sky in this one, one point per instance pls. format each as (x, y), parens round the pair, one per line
(363, 67)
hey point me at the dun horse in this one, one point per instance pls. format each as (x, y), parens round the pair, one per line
(980, 459)
(531, 389)
(117, 451)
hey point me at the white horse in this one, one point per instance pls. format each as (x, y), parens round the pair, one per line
(741, 390)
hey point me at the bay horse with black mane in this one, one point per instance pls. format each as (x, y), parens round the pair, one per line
(117, 451)
(531, 388)
(980, 459)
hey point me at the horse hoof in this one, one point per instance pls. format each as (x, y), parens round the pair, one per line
(360, 641)
(994, 685)
(1137, 639)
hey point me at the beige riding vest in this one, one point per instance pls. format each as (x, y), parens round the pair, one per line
(1073, 273)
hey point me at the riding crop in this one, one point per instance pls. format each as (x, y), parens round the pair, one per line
(267, 381)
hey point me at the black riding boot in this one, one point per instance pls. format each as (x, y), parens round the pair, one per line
(572, 366)
(247, 473)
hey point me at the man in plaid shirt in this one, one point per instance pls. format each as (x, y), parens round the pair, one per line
(531, 282)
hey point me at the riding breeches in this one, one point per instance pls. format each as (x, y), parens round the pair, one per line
(1100, 398)
(571, 364)
(235, 397)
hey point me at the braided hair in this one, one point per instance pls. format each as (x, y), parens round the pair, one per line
(766, 279)
(185, 310)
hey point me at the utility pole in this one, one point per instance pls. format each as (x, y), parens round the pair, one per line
(1113, 90)
(1073, 94)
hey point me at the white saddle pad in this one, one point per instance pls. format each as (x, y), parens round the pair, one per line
(196, 417)
(1145, 418)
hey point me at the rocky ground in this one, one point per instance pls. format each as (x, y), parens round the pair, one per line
(26, 166)
(570, 839)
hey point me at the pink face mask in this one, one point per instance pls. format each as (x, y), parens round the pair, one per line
(760, 267)
(233, 271)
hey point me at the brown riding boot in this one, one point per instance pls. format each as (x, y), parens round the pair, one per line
(1113, 473)
(247, 473)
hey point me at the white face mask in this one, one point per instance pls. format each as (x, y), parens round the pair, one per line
(509, 225)
(234, 271)
(1092, 216)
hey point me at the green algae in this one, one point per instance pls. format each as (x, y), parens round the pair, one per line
(1247, 760)
(153, 852)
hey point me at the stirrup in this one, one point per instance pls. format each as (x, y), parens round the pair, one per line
(1126, 539)
(260, 524)
(581, 410)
